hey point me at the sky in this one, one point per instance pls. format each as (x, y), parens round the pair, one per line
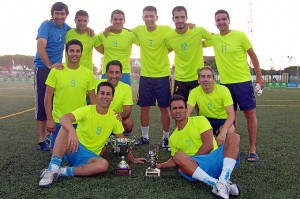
(275, 23)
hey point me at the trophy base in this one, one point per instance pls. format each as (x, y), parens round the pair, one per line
(153, 172)
(122, 172)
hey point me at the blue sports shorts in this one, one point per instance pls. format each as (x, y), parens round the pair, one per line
(242, 95)
(211, 163)
(125, 78)
(81, 157)
(152, 89)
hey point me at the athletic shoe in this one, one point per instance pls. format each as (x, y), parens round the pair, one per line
(47, 177)
(221, 190)
(44, 146)
(234, 189)
(142, 141)
(48, 139)
(165, 143)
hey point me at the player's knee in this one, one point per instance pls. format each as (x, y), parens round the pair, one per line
(102, 165)
(233, 139)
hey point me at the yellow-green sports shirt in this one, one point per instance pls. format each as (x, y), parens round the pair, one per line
(188, 52)
(154, 53)
(188, 140)
(231, 56)
(70, 88)
(118, 47)
(88, 42)
(122, 96)
(93, 129)
(211, 105)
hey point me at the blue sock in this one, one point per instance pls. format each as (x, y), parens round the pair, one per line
(67, 172)
(55, 163)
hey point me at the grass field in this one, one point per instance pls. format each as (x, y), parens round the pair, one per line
(276, 175)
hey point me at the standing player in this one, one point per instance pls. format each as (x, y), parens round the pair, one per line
(117, 45)
(89, 42)
(50, 46)
(67, 88)
(231, 48)
(187, 46)
(154, 85)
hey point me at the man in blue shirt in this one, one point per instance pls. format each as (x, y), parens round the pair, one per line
(50, 45)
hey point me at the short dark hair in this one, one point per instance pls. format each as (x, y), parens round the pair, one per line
(222, 11)
(106, 84)
(59, 6)
(117, 11)
(72, 42)
(178, 98)
(150, 8)
(81, 13)
(179, 8)
(114, 62)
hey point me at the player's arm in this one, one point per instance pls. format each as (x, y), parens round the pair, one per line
(92, 96)
(167, 164)
(207, 142)
(255, 62)
(66, 122)
(126, 111)
(225, 127)
(189, 110)
(41, 49)
(100, 49)
(51, 125)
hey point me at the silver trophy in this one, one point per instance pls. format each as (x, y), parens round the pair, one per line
(122, 146)
(152, 161)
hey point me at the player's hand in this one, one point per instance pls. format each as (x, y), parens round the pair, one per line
(159, 166)
(221, 138)
(90, 31)
(260, 81)
(73, 142)
(118, 116)
(58, 66)
(191, 25)
(139, 160)
(107, 30)
(51, 125)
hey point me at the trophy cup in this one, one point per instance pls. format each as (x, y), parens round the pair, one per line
(122, 147)
(152, 161)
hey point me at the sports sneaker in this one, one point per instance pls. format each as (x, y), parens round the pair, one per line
(165, 143)
(221, 190)
(48, 139)
(142, 141)
(47, 177)
(44, 146)
(234, 189)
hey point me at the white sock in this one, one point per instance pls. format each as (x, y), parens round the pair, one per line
(166, 134)
(145, 131)
(202, 176)
(228, 165)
